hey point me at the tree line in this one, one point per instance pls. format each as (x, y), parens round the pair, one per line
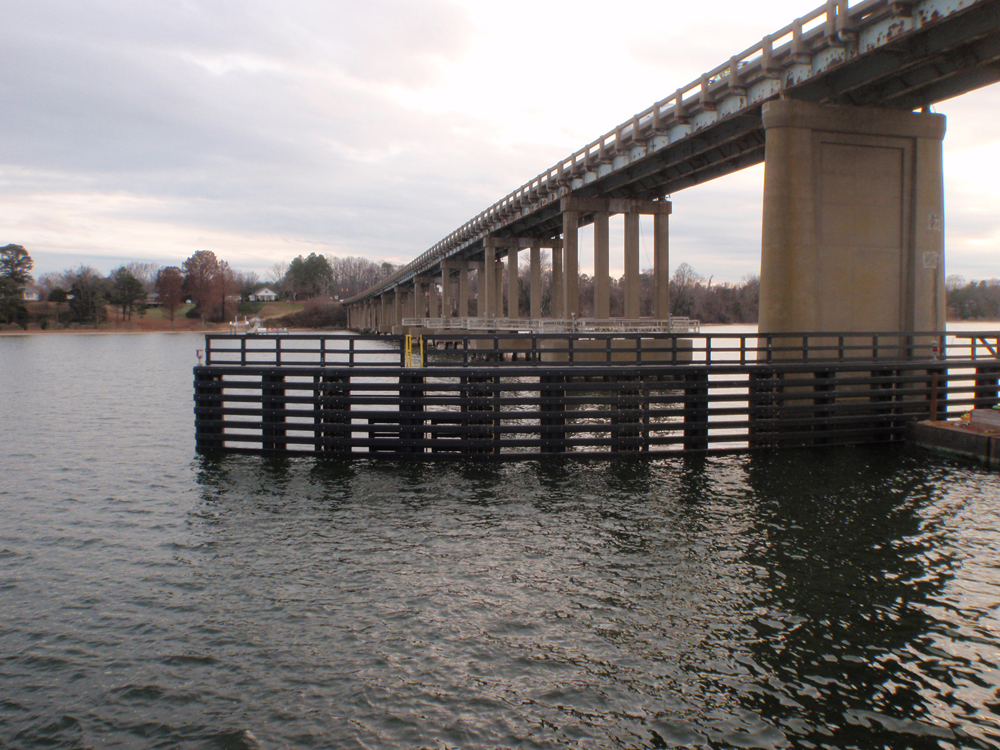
(215, 291)
(691, 295)
(973, 300)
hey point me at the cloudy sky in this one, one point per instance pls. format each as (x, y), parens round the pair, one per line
(262, 130)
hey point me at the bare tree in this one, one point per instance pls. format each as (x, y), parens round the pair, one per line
(145, 272)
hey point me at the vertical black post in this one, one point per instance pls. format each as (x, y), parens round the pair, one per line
(273, 417)
(882, 404)
(932, 396)
(209, 432)
(497, 422)
(765, 394)
(411, 412)
(627, 416)
(696, 410)
(478, 420)
(987, 389)
(822, 404)
(332, 413)
(552, 401)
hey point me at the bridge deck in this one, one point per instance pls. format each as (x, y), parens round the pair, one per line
(890, 53)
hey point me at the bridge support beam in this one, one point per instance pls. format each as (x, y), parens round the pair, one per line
(602, 270)
(558, 286)
(632, 281)
(597, 210)
(535, 259)
(513, 307)
(487, 282)
(446, 297)
(571, 263)
(853, 226)
(417, 302)
(661, 266)
(463, 292)
(498, 294)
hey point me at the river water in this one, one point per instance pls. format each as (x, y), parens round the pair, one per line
(152, 598)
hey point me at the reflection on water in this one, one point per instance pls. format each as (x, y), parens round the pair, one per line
(842, 598)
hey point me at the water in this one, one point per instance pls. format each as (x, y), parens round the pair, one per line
(151, 598)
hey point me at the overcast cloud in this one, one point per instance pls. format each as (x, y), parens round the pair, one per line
(259, 130)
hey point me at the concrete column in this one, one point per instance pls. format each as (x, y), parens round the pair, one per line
(558, 288)
(383, 303)
(498, 294)
(602, 274)
(463, 292)
(487, 281)
(446, 297)
(631, 265)
(397, 307)
(535, 258)
(418, 298)
(661, 266)
(432, 299)
(853, 226)
(513, 310)
(571, 261)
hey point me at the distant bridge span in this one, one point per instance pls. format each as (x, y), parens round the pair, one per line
(887, 56)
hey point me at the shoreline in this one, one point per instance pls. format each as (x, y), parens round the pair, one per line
(990, 325)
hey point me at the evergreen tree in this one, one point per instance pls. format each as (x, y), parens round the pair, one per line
(127, 292)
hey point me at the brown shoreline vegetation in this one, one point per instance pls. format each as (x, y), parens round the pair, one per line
(153, 320)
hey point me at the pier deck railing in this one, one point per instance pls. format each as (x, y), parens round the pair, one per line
(471, 349)
(735, 393)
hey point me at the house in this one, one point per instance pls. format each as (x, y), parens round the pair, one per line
(263, 295)
(32, 293)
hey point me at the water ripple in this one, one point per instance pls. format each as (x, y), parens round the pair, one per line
(831, 599)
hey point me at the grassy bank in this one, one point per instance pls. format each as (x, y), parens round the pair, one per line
(153, 319)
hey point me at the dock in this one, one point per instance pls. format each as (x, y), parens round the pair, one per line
(509, 395)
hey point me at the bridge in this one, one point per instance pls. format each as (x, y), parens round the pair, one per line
(836, 104)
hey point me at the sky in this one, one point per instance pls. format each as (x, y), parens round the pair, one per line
(135, 131)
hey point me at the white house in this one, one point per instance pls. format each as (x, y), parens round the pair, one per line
(263, 295)
(32, 293)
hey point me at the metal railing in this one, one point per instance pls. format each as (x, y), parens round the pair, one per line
(464, 349)
(558, 325)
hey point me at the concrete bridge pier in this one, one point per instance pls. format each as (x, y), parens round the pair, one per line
(602, 265)
(487, 280)
(513, 301)
(598, 210)
(463, 292)
(535, 261)
(632, 282)
(853, 225)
